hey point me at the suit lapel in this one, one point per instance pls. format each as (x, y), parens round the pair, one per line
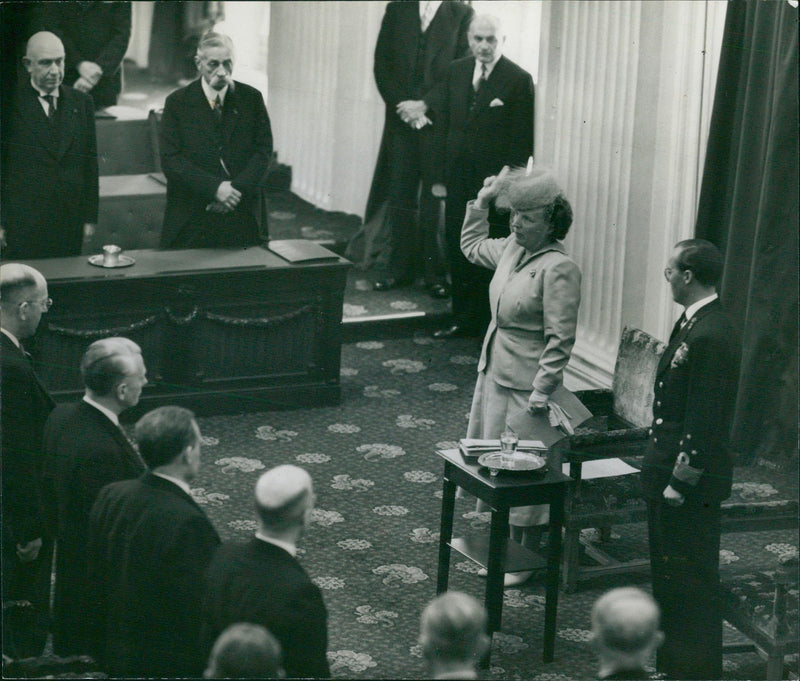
(681, 336)
(230, 114)
(33, 116)
(66, 120)
(436, 37)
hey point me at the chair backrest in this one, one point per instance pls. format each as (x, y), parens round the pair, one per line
(632, 388)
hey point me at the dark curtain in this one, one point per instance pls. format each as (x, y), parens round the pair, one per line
(748, 207)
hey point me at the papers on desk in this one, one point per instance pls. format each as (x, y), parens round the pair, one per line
(538, 426)
(301, 250)
(602, 468)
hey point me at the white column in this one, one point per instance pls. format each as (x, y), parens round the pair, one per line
(325, 110)
(624, 89)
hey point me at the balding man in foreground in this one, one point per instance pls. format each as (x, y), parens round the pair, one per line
(625, 633)
(149, 545)
(49, 159)
(87, 450)
(263, 582)
(27, 549)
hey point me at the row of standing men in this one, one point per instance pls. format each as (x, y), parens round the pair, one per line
(142, 581)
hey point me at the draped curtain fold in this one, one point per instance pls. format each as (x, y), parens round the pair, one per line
(749, 208)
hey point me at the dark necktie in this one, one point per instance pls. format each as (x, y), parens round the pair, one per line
(476, 88)
(678, 326)
(218, 108)
(51, 106)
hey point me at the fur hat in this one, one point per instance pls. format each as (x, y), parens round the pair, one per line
(523, 190)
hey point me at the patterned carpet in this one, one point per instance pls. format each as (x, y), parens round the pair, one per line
(372, 544)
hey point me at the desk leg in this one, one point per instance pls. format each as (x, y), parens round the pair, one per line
(551, 579)
(498, 542)
(445, 532)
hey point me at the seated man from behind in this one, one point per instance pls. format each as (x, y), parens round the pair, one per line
(245, 651)
(263, 582)
(625, 633)
(453, 636)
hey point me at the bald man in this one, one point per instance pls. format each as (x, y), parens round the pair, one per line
(263, 582)
(625, 633)
(49, 159)
(27, 548)
(86, 450)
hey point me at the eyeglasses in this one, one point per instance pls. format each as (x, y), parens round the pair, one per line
(44, 304)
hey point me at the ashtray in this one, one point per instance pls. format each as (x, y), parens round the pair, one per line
(122, 261)
(518, 462)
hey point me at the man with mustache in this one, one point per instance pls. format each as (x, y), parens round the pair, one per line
(216, 144)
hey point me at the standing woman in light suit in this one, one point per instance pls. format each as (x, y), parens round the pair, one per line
(534, 296)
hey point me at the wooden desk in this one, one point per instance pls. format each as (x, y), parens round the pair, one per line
(500, 554)
(220, 330)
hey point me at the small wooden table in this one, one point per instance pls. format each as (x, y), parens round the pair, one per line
(500, 554)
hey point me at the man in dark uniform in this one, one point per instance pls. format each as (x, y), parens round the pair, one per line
(688, 467)
(216, 144)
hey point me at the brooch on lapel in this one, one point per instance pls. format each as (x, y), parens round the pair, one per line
(680, 357)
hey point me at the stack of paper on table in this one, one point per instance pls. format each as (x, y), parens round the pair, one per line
(602, 468)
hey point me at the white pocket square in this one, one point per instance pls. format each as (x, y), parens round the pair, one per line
(496, 102)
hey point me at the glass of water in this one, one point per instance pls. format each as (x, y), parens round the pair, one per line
(508, 441)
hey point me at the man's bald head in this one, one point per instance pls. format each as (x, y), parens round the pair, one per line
(625, 624)
(44, 60)
(283, 495)
(23, 298)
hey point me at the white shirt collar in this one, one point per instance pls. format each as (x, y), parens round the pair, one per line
(42, 93)
(434, 7)
(290, 548)
(476, 72)
(13, 338)
(691, 311)
(110, 414)
(211, 93)
(180, 483)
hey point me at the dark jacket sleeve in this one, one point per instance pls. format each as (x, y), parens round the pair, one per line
(712, 367)
(310, 617)
(252, 177)
(385, 65)
(110, 57)
(521, 122)
(91, 172)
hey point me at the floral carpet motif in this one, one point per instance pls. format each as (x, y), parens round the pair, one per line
(371, 545)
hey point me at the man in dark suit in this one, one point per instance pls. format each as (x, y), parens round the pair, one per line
(216, 144)
(149, 545)
(95, 37)
(483, 116)
(27, 547)
(416, 44)
(49, 160)
(262, 581)
(688, 466)
(86, 450)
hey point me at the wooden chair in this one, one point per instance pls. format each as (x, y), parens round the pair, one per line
(618, 429)
(763, 606)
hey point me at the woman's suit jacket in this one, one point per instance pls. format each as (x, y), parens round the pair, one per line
(534, 299)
